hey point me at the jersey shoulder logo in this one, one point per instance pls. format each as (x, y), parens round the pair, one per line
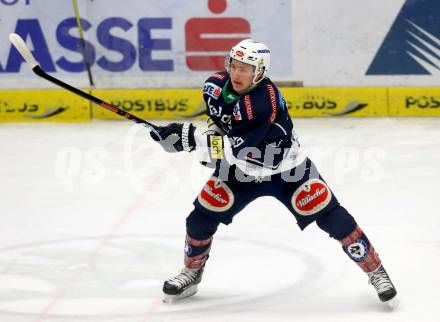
(412, 46)
(212, 90)
(218, 76)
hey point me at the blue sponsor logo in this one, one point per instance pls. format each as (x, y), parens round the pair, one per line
(412, 46)
(13, 2)
(128, 52)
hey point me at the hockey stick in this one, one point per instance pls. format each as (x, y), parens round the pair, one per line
(20, 45)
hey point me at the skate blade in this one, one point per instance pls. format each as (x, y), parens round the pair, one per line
(170, 299)
(392, 304)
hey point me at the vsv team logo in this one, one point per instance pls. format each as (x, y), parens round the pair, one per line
(412, 46)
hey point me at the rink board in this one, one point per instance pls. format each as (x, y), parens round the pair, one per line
(408, 101)
(303, 102)
(42, 106)
(151, 103)
(62, 106)
(336, 102)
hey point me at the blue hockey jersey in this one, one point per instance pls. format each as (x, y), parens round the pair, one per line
(256, 130)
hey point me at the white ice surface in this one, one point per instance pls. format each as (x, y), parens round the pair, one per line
(93, 221)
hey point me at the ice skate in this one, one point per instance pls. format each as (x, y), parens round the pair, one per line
(183, 285)
(382, 283)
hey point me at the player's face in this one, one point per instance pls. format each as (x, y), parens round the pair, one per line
(242, 75)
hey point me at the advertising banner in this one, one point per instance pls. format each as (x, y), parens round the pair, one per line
(370, 43)
(187, 104)
(138, 43)
(414, 101)
(152, 104)
(42, 106)
(336, 102)
(302, 102)
(177, 44)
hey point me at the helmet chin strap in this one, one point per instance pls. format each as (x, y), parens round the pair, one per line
(254, 80)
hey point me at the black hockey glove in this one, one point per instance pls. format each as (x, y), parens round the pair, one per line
(175, 137)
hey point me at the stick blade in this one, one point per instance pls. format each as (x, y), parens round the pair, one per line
(20, 45)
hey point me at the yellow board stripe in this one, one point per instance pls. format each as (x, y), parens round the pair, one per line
(405, 101)
(152, 103)
(50, 105)
(42, 106)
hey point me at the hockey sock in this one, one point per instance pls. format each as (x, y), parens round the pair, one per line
(196, 252)
(357, 246)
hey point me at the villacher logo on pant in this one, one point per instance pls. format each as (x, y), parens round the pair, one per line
(311, 197)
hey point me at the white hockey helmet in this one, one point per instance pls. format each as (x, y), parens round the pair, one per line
(253, 53)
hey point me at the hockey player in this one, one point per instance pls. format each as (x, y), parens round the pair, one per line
(255, 152)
